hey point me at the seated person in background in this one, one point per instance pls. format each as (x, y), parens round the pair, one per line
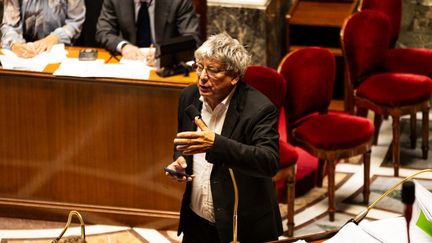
(87, 37)
(30, 27)
(123, 28)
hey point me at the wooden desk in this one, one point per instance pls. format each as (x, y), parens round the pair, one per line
(310, 238)
(90, 144)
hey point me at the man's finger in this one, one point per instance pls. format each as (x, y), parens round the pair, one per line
(201, 124)
(188, 135)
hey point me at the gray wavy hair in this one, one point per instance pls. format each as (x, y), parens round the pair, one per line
(222, 47)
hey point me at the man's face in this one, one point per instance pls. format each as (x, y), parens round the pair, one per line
(214, 83)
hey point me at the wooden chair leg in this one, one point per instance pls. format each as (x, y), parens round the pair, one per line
(425, 132)
(362, 112)
(413, 135)
(331, 189)
(321, 172)
(396, 144)
(366, 177)
(377, 124)
(290, 199)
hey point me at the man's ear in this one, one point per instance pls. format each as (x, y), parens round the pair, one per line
(235, 80)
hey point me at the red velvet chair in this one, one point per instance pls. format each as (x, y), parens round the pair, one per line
(401, 60)
(365, 38)
(310, 74)
(273, 85)
(404, 60)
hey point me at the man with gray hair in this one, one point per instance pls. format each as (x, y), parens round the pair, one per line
(232, 147)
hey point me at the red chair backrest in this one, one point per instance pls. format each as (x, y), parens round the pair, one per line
(393, 10)
(310, 74)
(268, 81)
(365, 40)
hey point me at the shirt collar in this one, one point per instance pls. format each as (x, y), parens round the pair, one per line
(148, 2)
(225, 102)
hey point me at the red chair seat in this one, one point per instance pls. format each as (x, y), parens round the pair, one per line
(395, 89)
(330, 131)
(288, 155)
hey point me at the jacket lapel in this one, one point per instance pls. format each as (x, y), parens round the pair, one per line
(233, 113)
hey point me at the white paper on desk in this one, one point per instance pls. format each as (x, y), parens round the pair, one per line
(352, 233)
(424, 199)
(124, 71)
(391, 230)
(38, 63)
(420, 230)
(76, 68)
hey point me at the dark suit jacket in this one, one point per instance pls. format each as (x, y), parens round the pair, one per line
(172, 18)
(249, 145)
(88, 37)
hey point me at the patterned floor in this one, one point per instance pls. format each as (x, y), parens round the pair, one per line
(311, 208)
(349, 182)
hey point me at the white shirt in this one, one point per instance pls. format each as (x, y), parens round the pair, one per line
(201, 198)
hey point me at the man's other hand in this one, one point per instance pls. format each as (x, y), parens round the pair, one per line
(180, 166)
(132, 52)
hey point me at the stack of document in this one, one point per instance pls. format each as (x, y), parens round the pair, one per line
(38, 63)
(421, 222)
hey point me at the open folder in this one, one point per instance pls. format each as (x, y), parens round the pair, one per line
(393, 230)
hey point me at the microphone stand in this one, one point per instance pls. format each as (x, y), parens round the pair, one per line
(236, 199)
(68, 223)
(363, 214)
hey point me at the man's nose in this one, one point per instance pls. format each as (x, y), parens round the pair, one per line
(203, 75)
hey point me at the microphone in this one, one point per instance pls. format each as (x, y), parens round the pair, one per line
(192, 112)
(363, 213)
(408, 197)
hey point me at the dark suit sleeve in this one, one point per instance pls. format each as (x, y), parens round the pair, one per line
(107, 29)
(187, 21)
(257, 152)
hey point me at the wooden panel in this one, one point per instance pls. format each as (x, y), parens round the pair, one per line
(330, 14)
(94, 144)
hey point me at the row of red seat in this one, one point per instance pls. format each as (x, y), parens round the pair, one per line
(390, 82)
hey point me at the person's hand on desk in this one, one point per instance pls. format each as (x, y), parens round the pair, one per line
(132, 52)
(25, 50)
(195, 142)
(46, 43)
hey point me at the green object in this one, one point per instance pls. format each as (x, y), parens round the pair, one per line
(424, 224)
